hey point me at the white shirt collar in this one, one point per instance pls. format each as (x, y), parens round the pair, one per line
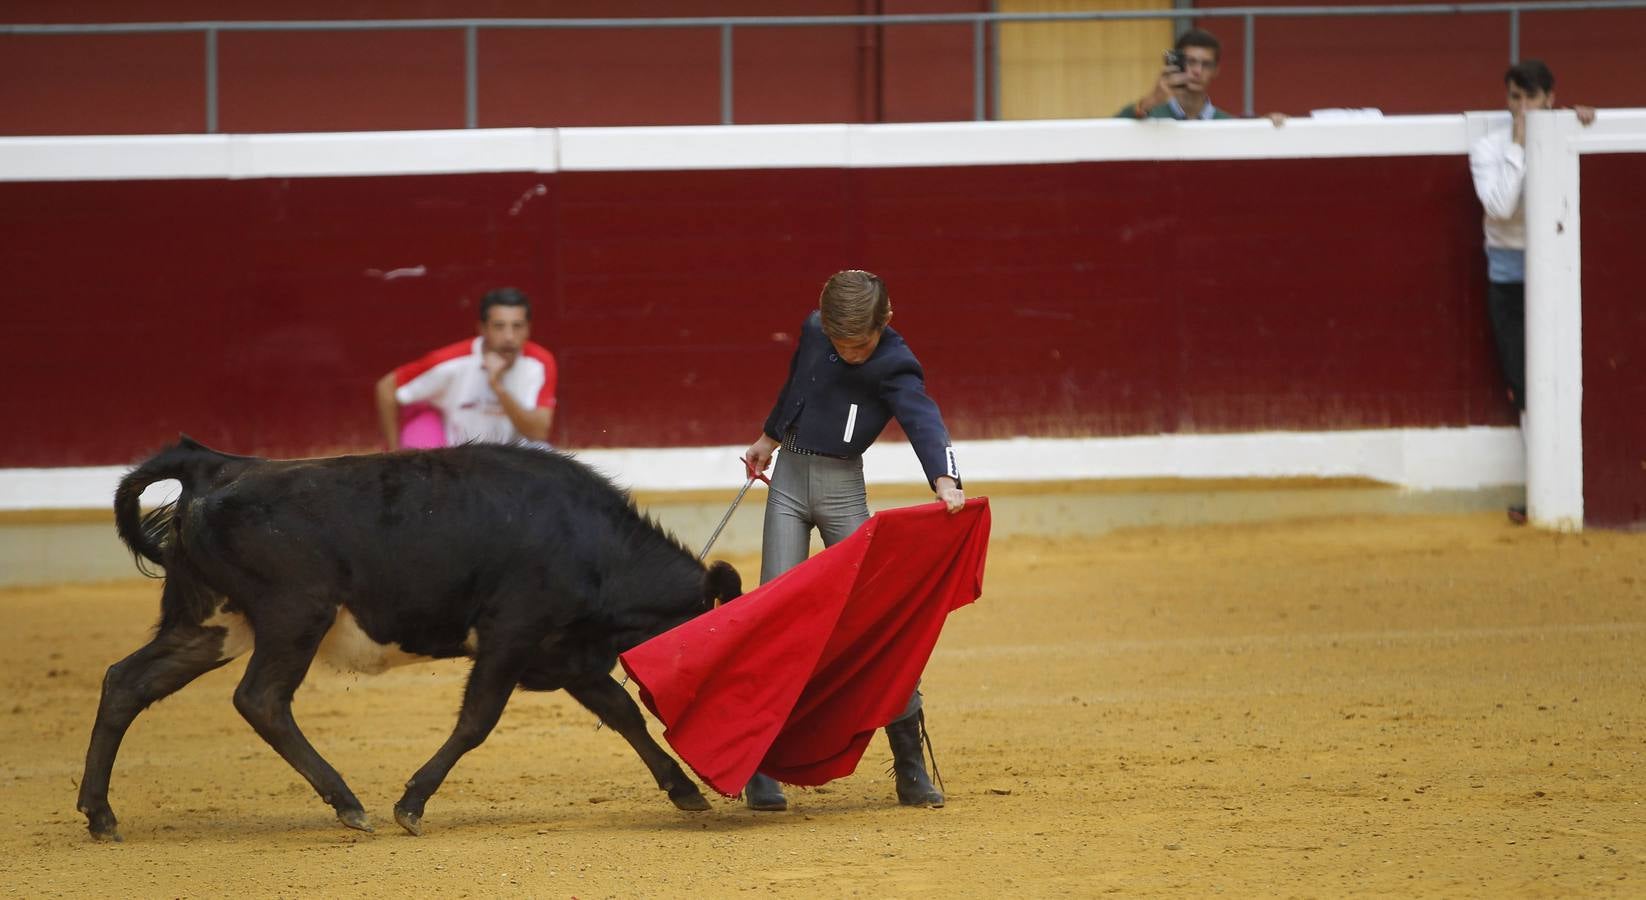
(1206, 112)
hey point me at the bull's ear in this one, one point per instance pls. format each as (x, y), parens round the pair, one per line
(721, 582)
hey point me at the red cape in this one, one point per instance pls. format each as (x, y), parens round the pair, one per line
(794, 677)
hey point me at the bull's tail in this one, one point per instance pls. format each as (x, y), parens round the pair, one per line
(195, 466)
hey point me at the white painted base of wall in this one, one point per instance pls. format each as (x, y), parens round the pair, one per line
(1413, 458)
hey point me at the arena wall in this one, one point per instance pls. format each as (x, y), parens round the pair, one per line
(1094, 286)
(1614, 341)
(1055, 297)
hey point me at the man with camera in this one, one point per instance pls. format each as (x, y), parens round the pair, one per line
(1180, 92)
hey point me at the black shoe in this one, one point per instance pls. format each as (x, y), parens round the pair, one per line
(1517, 515)
(914, 787)
(764, 794)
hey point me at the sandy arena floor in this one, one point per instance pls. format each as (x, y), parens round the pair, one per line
(1415, 705)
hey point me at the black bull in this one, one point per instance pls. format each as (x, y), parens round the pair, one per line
(526, 561)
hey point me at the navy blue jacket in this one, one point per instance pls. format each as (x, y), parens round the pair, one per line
(838, 409)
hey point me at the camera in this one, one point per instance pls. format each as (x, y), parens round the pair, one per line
(1174, 60)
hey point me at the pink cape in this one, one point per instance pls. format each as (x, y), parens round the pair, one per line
(421, 426)
(794, 677)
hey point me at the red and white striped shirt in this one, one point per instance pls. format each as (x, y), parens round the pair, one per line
(453, 380)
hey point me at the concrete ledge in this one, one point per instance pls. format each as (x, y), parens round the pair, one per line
(76, 546)
(1418, 458)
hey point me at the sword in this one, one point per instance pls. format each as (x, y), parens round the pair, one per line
(733, 508)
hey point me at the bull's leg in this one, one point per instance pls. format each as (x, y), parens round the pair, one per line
(491, 680)
(174, 658)
(264, 698)
(604, 697)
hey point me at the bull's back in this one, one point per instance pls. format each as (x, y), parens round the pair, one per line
(426, 535)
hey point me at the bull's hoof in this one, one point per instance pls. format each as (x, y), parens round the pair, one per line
(355, 818)
(412, 822)
(690, 800)
(102, 826)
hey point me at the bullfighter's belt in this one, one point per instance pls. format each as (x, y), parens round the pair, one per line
(789, 446)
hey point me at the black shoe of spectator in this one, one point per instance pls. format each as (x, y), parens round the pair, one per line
(1517, 515)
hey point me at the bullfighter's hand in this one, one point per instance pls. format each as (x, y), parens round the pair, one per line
(759, 455)
(950, 493)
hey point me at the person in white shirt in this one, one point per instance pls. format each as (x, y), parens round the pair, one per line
(498, 387)
(1498, 164)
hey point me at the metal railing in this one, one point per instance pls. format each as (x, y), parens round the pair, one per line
(981, 23)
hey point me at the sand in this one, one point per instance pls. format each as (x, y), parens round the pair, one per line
(1398, 705)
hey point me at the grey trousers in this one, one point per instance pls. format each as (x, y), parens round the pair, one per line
(807, 492)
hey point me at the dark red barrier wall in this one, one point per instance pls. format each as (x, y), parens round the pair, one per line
(362, 81)
(1614, 340)
(1089, 299)
(1423, 64)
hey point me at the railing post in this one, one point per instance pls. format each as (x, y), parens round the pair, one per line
(1514, 36)
(726, 74)
(1250, 62)
(471, 77)
(994, 70)
(1554, 322)
(980, 108)
(211, 81)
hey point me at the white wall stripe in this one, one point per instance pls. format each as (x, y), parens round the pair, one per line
(714, 147)
(704, 147)
(1419, 459)
(233, 156)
